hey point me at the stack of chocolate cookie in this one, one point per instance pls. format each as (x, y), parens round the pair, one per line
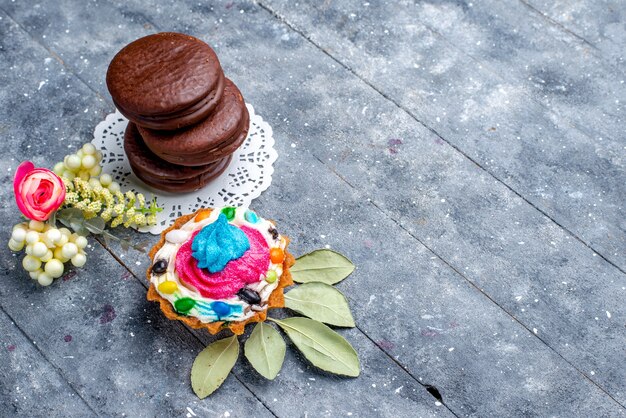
(186, 117)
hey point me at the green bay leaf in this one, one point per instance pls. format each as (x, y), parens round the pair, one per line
(324, 266)
(321, 302)
(322, 346)
(265, 350)
(211, 367)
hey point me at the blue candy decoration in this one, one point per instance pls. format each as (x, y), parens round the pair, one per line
(251, 217)
(221, 309)
(206, 309)
(218, 243)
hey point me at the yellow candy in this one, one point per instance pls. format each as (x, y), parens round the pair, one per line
(168, 287)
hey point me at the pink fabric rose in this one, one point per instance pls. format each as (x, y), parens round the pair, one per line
(38, 191)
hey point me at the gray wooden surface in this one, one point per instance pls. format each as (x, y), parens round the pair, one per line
(467, 156)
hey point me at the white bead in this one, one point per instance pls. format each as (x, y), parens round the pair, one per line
(39, 249)
(36, 225)
(177, 236)
(98, 155)
(94, 182)
(58, 168)
(68, 175)
(114, 187)
(58, 254)
(89, 162)
(81, 242)
(31, 263)
(29, 249)
(54, 268)
(79, 260)
(23, 225)
(47, 257)
(64, 240)
(95, 171)
(65, 232)
(106, 180)
(53, 235)
(32, 237)
(84, 175)
(69, 250)
(19, 234)
(72, 162)
(35, 274)
(44, 279)
(15, 245)
(89, 149)
(46, 241)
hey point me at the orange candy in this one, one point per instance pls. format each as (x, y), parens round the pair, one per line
(202, 215)
(277, 255)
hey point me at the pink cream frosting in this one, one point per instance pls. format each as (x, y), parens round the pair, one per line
(237, 273)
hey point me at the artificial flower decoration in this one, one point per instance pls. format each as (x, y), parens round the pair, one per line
(80, 197)
(38, 191)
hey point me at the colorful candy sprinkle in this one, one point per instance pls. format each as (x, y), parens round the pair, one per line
(251, 217)
(229, 211)
(168, 287)
(177, 236)
(202, 215)
(221, 309)
(159, 267)
(271, 276)
(184, 305)
(277, 255)
(249, 296)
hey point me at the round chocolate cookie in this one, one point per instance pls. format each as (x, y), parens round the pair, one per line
(214, 138)
(163, 175)
(166, 81)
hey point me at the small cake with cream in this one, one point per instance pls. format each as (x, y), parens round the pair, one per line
(220, 268)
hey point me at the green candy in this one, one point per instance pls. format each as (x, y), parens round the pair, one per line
(229, 212)
(184, 305)
(271, 276)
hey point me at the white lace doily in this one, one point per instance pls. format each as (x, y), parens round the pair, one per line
(247, 176)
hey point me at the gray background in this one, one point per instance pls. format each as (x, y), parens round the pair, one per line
(467, 156)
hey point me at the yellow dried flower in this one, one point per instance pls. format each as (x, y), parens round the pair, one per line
(93, 199)
(139, 219)
(107, 214)
(117, 221)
